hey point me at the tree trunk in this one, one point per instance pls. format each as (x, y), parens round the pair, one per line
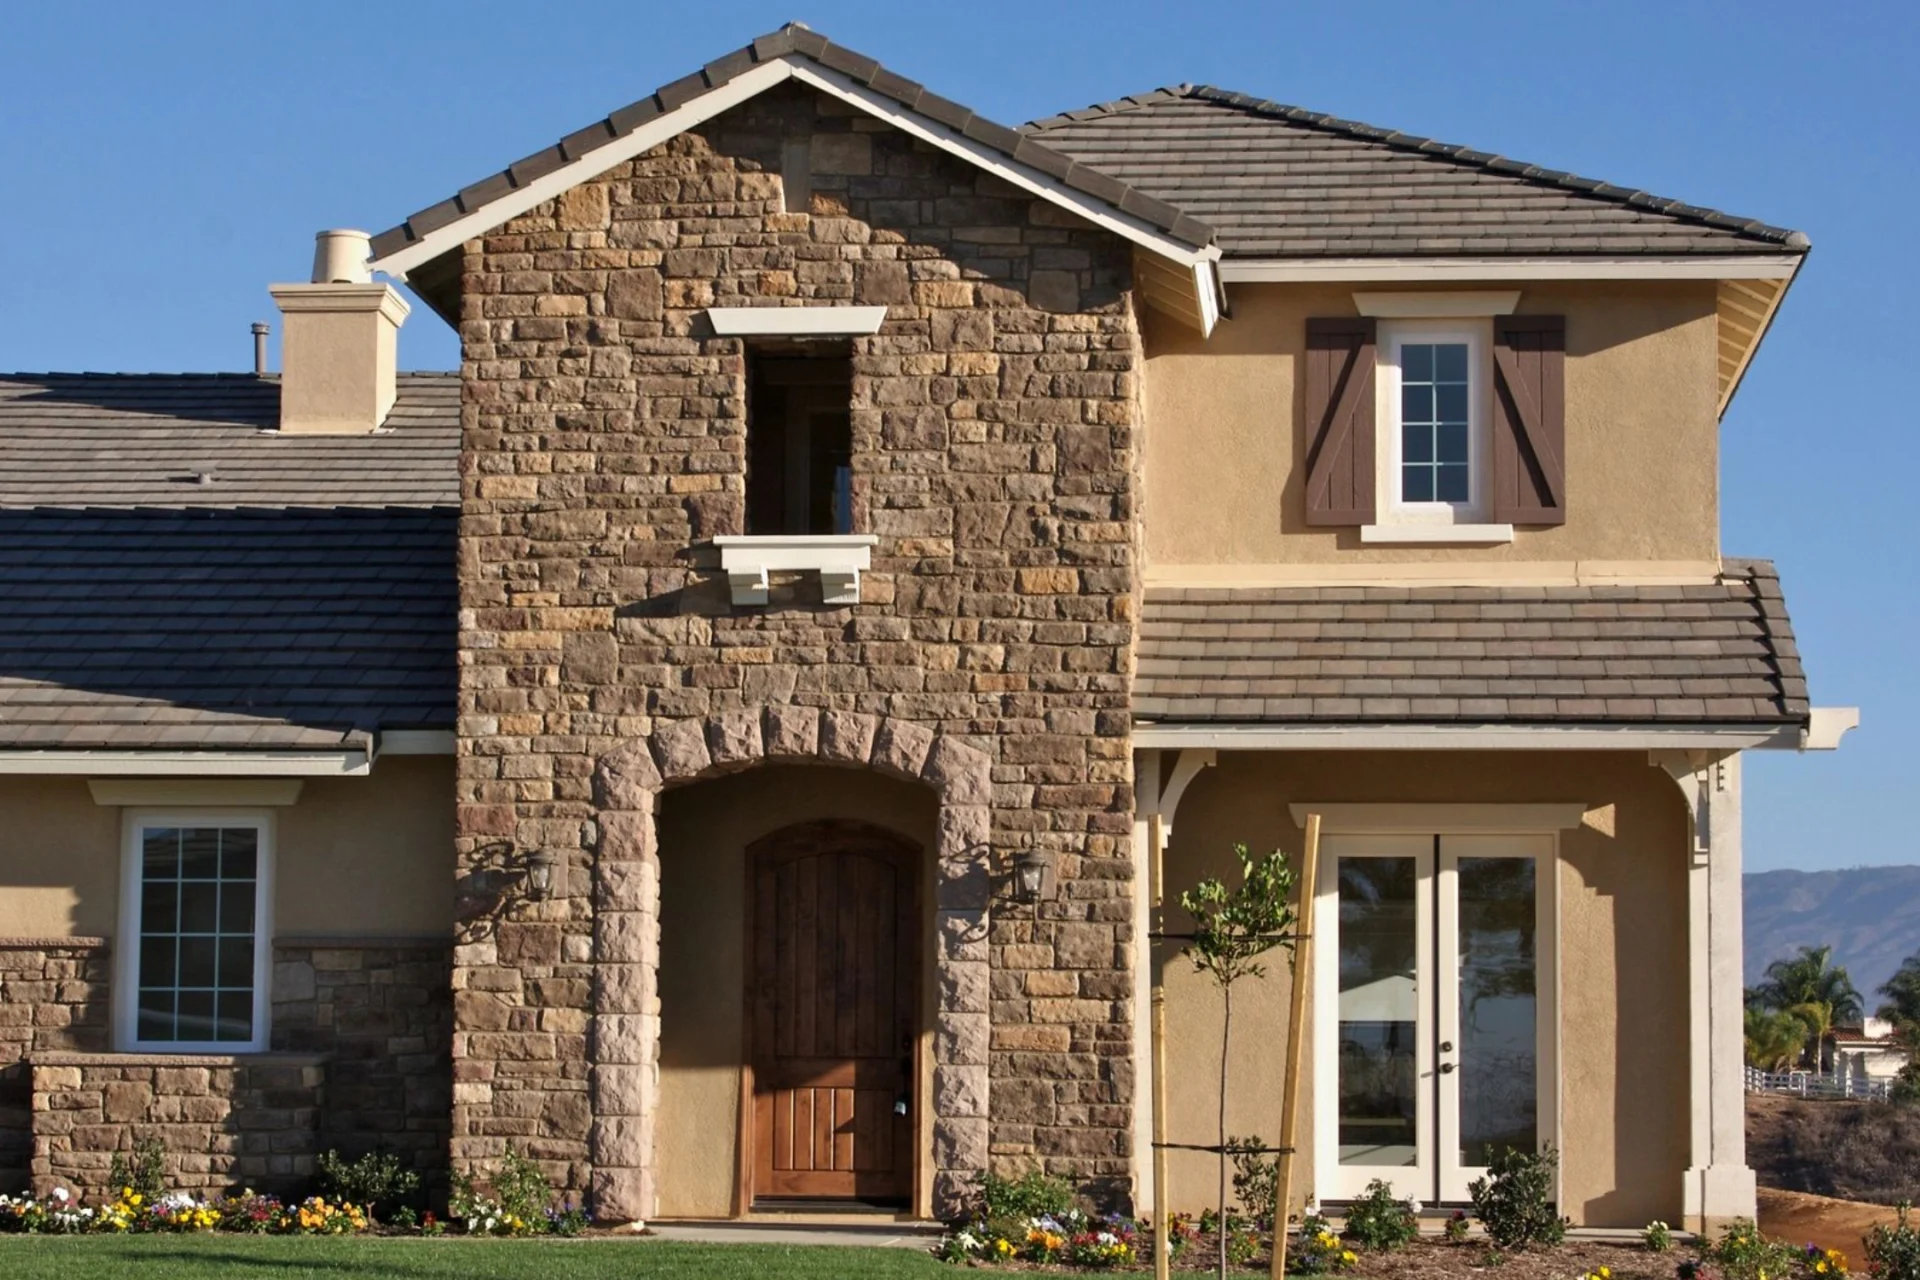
(1226, 1039)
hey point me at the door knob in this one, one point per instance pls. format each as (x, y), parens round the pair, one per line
(1446, 1046)
(1446, 1068)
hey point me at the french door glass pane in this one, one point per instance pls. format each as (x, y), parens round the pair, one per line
(1499, 1007)
(1379, 1011)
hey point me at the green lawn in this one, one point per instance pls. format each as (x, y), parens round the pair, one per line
(191, 1257)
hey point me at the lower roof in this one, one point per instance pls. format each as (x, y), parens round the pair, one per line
(203, 629)
(1719, 653)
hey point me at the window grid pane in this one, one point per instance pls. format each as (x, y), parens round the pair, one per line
(1434, 395)
(196, 934)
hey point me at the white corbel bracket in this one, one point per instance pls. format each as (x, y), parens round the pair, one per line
(839, 559)
(1698, 774)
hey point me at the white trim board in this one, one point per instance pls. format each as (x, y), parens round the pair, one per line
(1457, 304)
(1319, 737)
(1444, 819)
(187, 764)
(795, 322)
(197, 792)
(749, 84)
(1398, 270)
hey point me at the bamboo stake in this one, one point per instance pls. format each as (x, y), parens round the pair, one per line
(1296, 1034)
(1156, 838)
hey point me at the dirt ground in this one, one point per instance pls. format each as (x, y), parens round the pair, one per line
(1865, 1151)
(1829, 1223)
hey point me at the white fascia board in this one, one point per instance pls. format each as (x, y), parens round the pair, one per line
(187, 764)
(1002, 166)
(796, 322)
(1267, 737)
(1398, 270)
(1827, 725)
(416, 742)
(747, 84)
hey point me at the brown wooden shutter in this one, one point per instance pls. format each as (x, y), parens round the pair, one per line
(1339, 426)
(1529, 420)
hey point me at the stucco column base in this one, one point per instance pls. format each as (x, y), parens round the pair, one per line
(1718, 1194)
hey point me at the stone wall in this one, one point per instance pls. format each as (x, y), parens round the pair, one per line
(225, 1122)
(53, 998)
(994, 420)
(380, 1009)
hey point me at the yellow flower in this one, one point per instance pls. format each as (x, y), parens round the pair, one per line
(1346, 1256)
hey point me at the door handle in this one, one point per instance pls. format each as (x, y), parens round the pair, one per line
(1446, 1068)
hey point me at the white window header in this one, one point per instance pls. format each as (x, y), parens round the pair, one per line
(795, 322)
(1447, 305)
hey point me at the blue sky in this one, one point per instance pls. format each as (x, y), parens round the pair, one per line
(163, 164)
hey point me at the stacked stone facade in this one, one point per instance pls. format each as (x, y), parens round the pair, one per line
(994, 455)
(224, 1122)
(53, 999)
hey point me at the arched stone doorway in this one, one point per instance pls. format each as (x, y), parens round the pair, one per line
(625, 1044)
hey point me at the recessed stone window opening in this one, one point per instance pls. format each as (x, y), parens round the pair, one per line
(799, 438)
(796, 174)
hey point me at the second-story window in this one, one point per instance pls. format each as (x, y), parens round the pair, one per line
(799, 441)
(1433, 421)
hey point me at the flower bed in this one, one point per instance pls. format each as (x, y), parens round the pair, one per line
(131, 1212)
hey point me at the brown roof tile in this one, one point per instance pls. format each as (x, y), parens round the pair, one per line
(1710, 653)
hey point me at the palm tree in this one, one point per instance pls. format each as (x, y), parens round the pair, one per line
(1902, 1007)
(1774, 1040)
(1815, 991)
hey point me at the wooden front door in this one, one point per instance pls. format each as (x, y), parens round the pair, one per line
(833, 923)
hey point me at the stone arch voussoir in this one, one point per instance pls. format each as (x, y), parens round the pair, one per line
(625, 1044)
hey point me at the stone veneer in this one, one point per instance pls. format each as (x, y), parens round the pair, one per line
(360, 1031)
(381, 1010)
(53, 998)
(994, 455)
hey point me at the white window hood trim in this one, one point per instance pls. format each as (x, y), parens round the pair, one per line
(796, 322)
(839, 559)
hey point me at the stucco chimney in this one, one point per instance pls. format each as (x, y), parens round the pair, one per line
(338, 341)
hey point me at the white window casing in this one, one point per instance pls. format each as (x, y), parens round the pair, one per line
(127, 944)
(1398, 520)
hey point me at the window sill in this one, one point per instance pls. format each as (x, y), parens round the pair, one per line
(839, 559)
(1460, 535)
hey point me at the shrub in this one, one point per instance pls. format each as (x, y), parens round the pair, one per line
(1893, 1253)
(1256, 1177)
(376, 1181)
(1514, 1202)
(1034, 1194)
(1457, 1227)
(1742, 1253)
(145, 1175)
(1380, 1220)
(1657, 1236)
(1905, 1089)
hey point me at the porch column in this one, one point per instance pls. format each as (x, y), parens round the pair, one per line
(1146, 802)
(1719, 1185)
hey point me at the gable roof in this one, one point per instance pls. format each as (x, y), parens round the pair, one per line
(1277, 181)
(1719, 653)
(792, 52)
(210, 440)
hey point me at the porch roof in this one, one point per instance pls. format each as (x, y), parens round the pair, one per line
(1719, 653)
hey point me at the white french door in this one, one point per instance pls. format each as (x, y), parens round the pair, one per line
(1434, 1028)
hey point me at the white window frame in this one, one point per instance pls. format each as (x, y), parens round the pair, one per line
(126, 986)
(1394, 335)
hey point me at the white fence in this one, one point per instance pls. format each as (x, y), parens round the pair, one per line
(1808, 1085)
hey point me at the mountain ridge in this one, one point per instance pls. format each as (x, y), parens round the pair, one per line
(1869, 915)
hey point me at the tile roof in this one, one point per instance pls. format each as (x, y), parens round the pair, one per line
(1281, 182)
(796, 40)
(97, 439)
(1717, 653)
(224, 629)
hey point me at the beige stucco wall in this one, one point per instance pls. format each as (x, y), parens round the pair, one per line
(704, 832)
(1223, 437)
(355, 856)
(1622, 959)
